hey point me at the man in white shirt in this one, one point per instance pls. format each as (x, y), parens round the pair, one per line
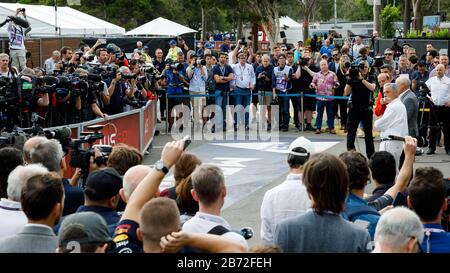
(439, 86)
(357, 47)
(290, 198)
(245, 79)
(209, 191)
(12, 218)
(393, 122)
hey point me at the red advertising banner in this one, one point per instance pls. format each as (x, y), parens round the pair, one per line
(123, 129)
(149, 124)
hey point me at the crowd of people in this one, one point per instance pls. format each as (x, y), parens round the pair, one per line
(322, 207)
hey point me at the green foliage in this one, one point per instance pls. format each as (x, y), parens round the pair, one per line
(388, 16)
(437, 34)
(353, 10)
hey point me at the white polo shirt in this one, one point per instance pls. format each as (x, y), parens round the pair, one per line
(204, 222)
(440, 90)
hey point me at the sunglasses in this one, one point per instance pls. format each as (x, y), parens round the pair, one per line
(334, 55)
(387, 54)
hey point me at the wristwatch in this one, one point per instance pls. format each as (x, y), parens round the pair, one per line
(159, 166)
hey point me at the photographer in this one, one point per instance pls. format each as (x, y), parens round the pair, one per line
(439, 86)
(419, 76)
(198, 74)
(360, 106)
(89, 102)
(308, 69)
(174, 87)
(264, 85)
(118, 90)
(17, 30)
(6, 70)
(341, 104)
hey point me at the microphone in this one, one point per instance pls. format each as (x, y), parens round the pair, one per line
(60, 133)
(399, 138)
(19, 21)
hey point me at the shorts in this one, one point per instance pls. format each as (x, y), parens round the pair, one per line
(198, 101)
(266, 97)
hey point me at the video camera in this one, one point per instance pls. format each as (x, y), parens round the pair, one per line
(378, 61)
(303, 61)
(424, 92)
(354, 71)
(80, 157)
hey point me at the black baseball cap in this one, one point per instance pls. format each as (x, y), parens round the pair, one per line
(103, 184)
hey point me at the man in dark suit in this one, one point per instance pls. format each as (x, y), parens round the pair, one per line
(409, 99)
(42, 201)
(334, 61)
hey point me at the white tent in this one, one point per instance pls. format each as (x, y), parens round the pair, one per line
(291, 29)
(70, 22)
(160, 27)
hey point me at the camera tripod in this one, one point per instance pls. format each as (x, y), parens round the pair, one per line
(427, 113)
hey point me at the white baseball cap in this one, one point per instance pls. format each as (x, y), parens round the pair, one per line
(301, 142)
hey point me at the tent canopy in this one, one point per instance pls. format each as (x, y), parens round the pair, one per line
(288, 22)
(161, 27)
(70, 22)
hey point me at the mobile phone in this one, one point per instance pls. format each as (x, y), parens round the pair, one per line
(400, 200)
(187, 141)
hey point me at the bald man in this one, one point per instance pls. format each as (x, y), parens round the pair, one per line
(30, 144)
(439, 86)
(131, 179)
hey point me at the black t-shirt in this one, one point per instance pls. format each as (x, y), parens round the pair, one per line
(125, 237)
(361, 96)
(222, 72)
(159, 65)
(342, 82)
(306, 79)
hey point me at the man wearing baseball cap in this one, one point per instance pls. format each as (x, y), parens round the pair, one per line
(101, 195)
(84, 232)
(290, 198)
(173, 51)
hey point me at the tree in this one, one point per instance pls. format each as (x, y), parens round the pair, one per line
(268, 14)
(307, 7)
(388, 16)
(419, 9)
(406, 16)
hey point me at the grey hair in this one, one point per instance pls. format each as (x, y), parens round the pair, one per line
(392, 86)
(397, 226)
(19, 176)
(56, 53)
(403, 80)
(133, 177)
(4, 55)
(265, 56)
(49, 153)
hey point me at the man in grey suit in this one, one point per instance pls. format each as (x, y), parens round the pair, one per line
(409, 99)
(411, 103)
(42, 202)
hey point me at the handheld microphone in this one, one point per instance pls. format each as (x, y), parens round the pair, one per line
(399, 138)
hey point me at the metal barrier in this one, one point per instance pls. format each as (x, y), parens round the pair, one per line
(135, 128)
(260, 93)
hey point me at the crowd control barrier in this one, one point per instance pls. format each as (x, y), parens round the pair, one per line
(135, 128)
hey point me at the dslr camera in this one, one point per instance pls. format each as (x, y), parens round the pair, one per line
(303, 61)
(354, 71)
(201, 62)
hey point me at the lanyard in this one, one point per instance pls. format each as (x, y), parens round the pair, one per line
(222, 70)
(242, 71)
(428, 232)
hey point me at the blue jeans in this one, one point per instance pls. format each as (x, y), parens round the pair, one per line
(242, 96)
(330, 117)
(221, 101)
(283, 102)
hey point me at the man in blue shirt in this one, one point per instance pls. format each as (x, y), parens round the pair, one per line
(326, 48)
(223, 74)
(428, 198)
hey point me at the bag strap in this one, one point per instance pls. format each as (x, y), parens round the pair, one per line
(218, 230)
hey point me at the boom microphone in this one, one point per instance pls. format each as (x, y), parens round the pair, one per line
(60, 133)
(19, 21)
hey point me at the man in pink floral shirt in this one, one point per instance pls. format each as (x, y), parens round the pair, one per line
(325, 82)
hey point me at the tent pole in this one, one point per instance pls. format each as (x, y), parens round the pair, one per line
(56, 18)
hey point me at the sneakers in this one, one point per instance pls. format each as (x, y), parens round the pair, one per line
(309, 127)
(332, 131)
(318, 131)
(360, 133)
(431, 151)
